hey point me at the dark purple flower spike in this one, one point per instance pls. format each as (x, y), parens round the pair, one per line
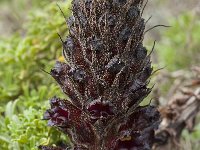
(105, 77)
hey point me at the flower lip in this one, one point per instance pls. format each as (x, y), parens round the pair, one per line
(99, 109)
(57, 115)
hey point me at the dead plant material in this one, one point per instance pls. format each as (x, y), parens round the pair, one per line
(180, 111)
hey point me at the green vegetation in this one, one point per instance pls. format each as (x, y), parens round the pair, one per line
(24, 87)
(180, 46)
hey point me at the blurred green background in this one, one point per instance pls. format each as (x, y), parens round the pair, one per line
(29, 44)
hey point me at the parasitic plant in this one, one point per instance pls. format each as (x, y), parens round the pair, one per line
(105, 77)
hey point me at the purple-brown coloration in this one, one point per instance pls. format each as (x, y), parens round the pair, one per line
(105, 78)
